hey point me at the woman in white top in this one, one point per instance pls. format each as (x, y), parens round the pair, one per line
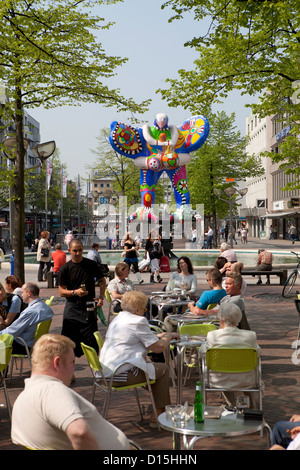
(184, 278)
(129, 339)
(44, 256)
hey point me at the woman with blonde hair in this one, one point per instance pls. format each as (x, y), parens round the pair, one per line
(128, 340)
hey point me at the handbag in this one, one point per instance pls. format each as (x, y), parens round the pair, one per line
(164, 264)
(44, 252)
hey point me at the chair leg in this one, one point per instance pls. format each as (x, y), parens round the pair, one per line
(138, 403)
(6, 394)
(153, 403)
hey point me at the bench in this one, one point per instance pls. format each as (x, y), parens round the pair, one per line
(50, 278)
(281, 273)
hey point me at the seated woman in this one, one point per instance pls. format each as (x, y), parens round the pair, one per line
(230, 336)
(119, 285)
(184, 277)
(10, 301)
(128, 339)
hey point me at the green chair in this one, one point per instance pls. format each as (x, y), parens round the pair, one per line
(194, 329)
(211, 306)
(49, 301)
(99, 339)
(41, 329)
(105, 384)
(6, 342)
(110, 311)
(234, 361)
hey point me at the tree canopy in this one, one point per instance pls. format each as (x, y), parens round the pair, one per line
(252, 46)
(50, 55)
(223, 156)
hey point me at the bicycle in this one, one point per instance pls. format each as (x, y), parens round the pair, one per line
(290, 282)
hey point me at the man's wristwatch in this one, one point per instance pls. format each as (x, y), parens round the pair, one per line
(73, 292)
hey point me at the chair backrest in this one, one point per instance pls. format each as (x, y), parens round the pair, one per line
(99, 339)
(42, 328)
(6, 342)
(196, 329)
(231, 359)
(107, 296)
(91, 357)
(49, 301)
(211, 306)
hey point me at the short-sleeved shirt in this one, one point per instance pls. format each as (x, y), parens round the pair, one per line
(210, 297)
(44, 410)
(72, 275)
(127, 339)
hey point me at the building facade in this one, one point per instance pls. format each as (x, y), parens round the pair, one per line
(269, 211)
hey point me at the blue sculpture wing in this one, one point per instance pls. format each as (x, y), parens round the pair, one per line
(127, 140)
(192, 134)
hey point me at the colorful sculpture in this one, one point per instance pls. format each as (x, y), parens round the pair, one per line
(159, 148)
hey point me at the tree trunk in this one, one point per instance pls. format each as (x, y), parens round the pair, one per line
(18, 191)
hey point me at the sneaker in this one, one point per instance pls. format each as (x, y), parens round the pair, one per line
(268, 283)
(159, 279)
(152, 280)
(141, 281)
(259, 282)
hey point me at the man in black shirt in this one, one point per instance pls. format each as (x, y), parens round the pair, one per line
(77, 283)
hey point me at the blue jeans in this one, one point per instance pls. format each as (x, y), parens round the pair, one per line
(279, 434)
(209, 242)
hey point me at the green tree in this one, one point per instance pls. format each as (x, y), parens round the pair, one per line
(222, 156)
(252, 46)
(50, 56)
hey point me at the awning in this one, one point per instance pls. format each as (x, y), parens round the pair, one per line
(280, 214)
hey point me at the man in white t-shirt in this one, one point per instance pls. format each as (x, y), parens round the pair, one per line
(48, 415)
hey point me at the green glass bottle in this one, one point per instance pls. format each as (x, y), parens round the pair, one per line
(198, 405)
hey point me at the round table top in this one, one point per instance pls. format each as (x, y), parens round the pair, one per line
(190, 318)
(230, 425)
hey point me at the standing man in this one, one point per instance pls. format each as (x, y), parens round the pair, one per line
(293, 233)
(209, 234)
(76, 282)
(264, 263)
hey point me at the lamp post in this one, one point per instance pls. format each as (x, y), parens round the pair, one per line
(230, 192)
(14, 148)
(44, 151)
(9, 150)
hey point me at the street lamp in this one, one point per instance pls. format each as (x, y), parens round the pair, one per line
(231, 191)
(44, 151)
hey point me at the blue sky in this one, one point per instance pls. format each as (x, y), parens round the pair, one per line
(156, 51)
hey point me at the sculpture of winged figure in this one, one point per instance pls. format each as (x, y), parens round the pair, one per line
(158, 148)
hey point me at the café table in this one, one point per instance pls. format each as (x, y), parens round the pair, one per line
(190, 318)
(228, 425)
(181, 345)
(168, 301)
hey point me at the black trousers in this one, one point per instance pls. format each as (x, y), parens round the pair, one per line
(80, 332)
